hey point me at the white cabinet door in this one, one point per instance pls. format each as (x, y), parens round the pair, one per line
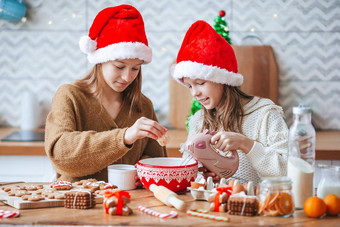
(26, 168)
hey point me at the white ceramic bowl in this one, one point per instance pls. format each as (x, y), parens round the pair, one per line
(168, 172)
(123, 176)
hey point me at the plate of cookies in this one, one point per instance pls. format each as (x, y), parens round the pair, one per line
(54, 194)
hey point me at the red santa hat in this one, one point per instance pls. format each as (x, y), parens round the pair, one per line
(116, 33)
(206, 55)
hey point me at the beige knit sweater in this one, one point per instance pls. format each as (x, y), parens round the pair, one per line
(264, 123)
(82, 139)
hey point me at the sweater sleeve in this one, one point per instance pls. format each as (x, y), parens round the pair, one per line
(74, 152)
(269, 154)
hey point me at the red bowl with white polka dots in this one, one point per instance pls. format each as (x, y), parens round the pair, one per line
(168, 172)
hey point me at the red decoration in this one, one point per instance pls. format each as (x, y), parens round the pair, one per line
(221, 13)
(220, 190)
(118, 194)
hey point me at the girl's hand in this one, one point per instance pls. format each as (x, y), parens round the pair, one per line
(231, 141)
(138, 183)
(142, 128)
(207, 173)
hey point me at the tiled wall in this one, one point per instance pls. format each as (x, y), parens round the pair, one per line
(42, 53)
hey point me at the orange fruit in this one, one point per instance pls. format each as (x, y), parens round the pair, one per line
(271, 212)
(284, 203)
(314, 207)
(332, 204)
(272, 199)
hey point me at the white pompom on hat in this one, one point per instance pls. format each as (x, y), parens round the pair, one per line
(116, 33)
(206, 55)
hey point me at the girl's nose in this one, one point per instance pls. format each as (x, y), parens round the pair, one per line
(127, 75)
(194, 91)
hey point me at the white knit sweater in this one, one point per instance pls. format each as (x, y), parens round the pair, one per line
(263, 122)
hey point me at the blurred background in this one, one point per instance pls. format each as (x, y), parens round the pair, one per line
(40, 52)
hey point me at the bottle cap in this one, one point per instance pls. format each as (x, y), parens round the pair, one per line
(301, 109)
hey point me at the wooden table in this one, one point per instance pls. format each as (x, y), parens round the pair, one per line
(327, 144)
(97, 216)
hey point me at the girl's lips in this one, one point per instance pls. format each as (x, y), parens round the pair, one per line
(122, 84)
(204, 101)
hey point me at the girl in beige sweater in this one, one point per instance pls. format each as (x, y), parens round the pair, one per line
(103, 118)
(252, 126)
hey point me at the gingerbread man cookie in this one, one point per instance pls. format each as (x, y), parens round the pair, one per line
(32, 197)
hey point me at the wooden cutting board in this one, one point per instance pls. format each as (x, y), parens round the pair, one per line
(20, 204)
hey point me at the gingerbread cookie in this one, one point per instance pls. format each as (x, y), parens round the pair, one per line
(113, 207)
(102, 192)
(10, 187)
(81, 182)
(18, 192)
(61, 185)
(31, 187)
(32, 197)
(242, 205)
(79, 200)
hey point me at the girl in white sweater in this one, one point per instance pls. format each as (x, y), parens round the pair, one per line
(252, 126)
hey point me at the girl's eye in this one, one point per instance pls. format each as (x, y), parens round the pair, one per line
(119, 67)
(202, 83)
(135, 69)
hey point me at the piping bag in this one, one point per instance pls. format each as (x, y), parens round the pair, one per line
(167, 197)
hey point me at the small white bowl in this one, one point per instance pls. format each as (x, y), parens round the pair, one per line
(123, 176)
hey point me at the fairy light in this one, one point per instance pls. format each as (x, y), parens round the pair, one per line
(50, 22)
(275, 15)
(252, 30)
(74, 15)
(24, 19)
(163, 48)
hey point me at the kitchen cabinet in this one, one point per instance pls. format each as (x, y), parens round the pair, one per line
(26, 168)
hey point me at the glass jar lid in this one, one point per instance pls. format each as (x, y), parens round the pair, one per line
(276, 181)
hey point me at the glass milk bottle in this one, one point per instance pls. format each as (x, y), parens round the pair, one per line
(329, 182)
(301, 155)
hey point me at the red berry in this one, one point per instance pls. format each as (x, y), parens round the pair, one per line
(221, 13)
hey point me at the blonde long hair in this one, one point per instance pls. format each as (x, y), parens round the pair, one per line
(93, 82)
(229, 113)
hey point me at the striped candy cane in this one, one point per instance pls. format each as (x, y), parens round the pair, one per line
(207, 216)
(9, 214)
(172, 214)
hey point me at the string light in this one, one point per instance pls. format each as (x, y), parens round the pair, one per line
(275, 15)
(252, 29)
(163, 48)
(50, 22)
(74, 15)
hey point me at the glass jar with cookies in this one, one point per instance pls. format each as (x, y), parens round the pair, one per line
(275, 197)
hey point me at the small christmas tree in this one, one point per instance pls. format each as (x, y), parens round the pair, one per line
(221, 27)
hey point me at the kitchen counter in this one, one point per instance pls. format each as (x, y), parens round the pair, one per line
(97, 215)
(327, 144)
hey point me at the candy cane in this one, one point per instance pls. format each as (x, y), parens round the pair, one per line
(9, 214)
(172, 214)
(207, 216)
(200, 211)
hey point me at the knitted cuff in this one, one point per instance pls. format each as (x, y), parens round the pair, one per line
(256, 153)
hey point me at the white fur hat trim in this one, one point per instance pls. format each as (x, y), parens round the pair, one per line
(194, 70)
(119, 51)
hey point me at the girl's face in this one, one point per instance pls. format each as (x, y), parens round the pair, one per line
(119, 74)
(208, 93)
